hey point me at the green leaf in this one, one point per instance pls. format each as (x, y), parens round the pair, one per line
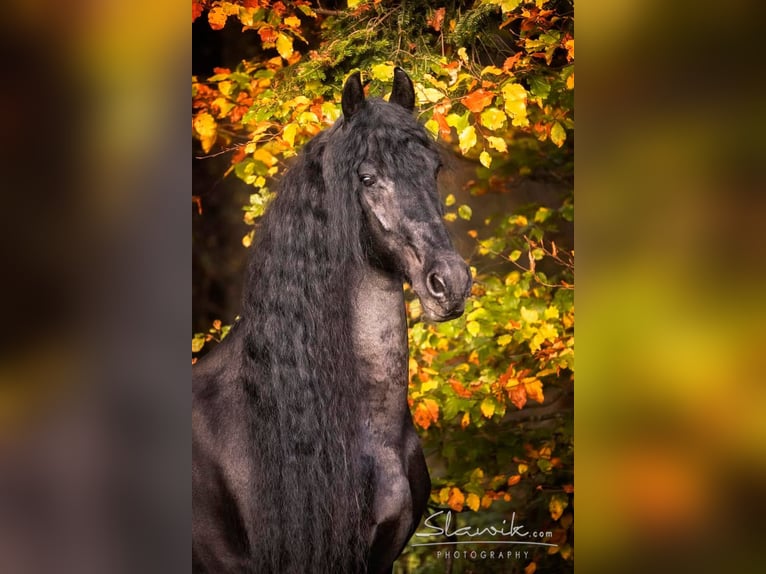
(473, 328)
(515, 254)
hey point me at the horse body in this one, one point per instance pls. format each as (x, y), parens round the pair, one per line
(305, 457)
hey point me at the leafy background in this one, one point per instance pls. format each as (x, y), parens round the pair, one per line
(491, 393)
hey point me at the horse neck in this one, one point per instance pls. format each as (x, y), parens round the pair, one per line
(380, 343)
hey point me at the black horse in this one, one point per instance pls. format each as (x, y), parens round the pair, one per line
(305, 458)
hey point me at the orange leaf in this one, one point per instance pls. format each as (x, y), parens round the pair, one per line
(459, 389)
(426, 412)
(518, 396)
(510, 62)
(514, 479)
(530, 568)
(216, 18)
(456, 499)
(478, 100)
(437, 20)
(441, 121)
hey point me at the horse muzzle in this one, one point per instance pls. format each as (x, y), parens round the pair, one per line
(445, 287)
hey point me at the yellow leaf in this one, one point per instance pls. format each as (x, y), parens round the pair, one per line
(535, 390)
(207, 129)
(224, 106)
(225, 87)
(487, 407)
(353, 3)
(529, 315)
(485, 159)
(284, 45)
(515, 97)
(492, 118)
(425, 95)
(507, 5)
(497, 143)
(491, 70)
(472, 501)
(444, 495)
(449, 201)
(467, 139)
(465, 421)
(217, 18)
(197, 344)
(383, 72)
(289, 134)
(558, 134)
(463, 55)
(519, 220)
(308, 118)
(557, 506)
(293, 22)
(264, 157)
(503, 340)
(570, 82)
(247, 240)
(473, 328)
(523, 468)
(456, 499)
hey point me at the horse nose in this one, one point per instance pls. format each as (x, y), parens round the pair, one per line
(449, 280)
(436, 286)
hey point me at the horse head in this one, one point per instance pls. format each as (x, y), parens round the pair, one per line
(392, 165)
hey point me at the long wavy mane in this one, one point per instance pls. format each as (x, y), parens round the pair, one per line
(299, 370)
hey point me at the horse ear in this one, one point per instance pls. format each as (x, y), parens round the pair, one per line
(353, 96)
(403, 92)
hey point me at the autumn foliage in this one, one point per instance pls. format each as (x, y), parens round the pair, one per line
(494, 79)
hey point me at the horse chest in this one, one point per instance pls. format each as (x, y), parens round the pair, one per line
(401, 482)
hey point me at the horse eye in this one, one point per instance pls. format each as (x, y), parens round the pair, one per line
(368, 180)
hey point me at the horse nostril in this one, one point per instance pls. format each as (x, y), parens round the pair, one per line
(436, 285)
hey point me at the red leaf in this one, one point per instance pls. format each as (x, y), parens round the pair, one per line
(268, 34)
(197, 9)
